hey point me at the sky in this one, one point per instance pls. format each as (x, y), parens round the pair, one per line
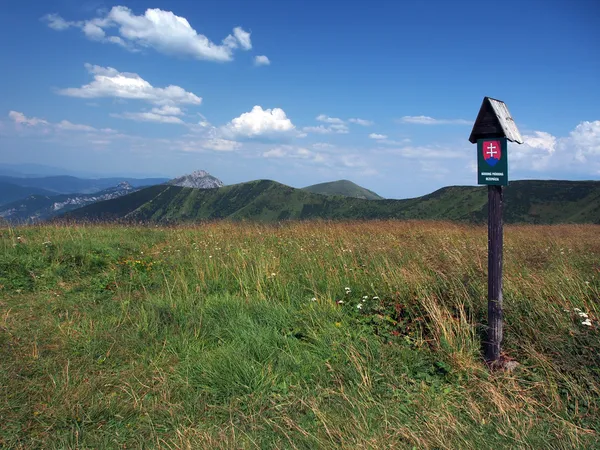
(383, 93)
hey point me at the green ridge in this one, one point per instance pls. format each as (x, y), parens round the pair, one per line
(529, 201)
(344, 188)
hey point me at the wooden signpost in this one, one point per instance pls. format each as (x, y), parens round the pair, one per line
(492, 129)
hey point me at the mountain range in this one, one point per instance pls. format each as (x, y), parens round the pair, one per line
(527, 201)
(35, 208)
(66, 184)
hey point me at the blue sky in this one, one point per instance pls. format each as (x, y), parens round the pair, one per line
(383, 93)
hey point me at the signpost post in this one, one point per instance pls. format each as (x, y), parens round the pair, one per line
(492, 129)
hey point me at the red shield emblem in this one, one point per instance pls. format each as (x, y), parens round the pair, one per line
(492, 152)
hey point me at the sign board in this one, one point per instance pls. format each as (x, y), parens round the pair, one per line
(492, 161)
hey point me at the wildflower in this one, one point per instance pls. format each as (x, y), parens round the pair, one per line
(366, 297)
(576, 310)
(49, 243)
(273, 274)
(584, 315)
(375, 298)
(587, 322)
(347, 289)
(340, 302)
(338, 324)
(359, 306)
(313, 299)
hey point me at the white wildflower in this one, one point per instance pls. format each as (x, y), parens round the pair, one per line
(347, 289)
(584, 315)
(359, 306)
(587, 322)
(313, 299)
(375, 298)
(366, 297)
(576, 310)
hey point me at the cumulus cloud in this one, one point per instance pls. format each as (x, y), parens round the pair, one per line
(109, 82)
(261, 60)
(161, 30)
(362, 122)
(426, 120)
(259, 123)
(543, 152)
(377, 136)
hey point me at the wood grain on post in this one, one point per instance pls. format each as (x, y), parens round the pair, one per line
(495, 320)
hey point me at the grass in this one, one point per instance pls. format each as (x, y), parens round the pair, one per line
(251, 336)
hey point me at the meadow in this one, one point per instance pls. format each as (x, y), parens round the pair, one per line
(299, 335)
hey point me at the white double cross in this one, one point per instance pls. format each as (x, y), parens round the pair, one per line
(491, 150)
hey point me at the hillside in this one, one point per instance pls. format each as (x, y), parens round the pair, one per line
(344, 188)
(9, 192)
(531, 201)
(36, 208)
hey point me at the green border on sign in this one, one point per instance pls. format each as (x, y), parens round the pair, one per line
(492, 175)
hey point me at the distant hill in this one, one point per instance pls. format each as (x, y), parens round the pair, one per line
(65, 184)
(344, 188)
(36, 208)
(9, 192)
(530, 201)
(200, 179)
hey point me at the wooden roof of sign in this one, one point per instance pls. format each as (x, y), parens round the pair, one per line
(494, 120)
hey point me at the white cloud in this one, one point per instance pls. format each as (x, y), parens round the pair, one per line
(261, 60)
(293, 152)
(149, 117)
(222, 145)
(56, 22)
(362, 122)
(161, 30)
(427, 152)
(243, 38)
(543, 152)
(21, 119)
(109, 82)
(259, 122)
(323, 145)
(353, 161)
(327, 119)
(585, 140)
(426, 120)
(66, 125)
(320, 129)
(377, 136)
(167, 110)
(336, 126)
(93, 31)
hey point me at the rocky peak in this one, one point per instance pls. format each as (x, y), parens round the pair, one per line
(199, 179)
